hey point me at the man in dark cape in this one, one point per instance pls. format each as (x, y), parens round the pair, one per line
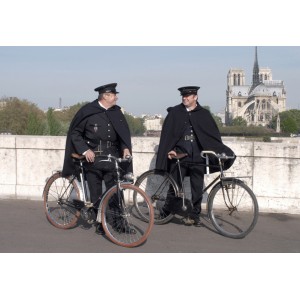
(189, 128)
(98, 127)
(205, 128)
(116, 117)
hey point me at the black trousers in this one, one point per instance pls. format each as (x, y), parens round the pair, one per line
(95, 177)
(100, 171)
(196, 173)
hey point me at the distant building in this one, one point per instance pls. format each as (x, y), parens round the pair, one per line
(153, 124)
(221, 115)
(257, 103)
(2, 103)
(62, 108)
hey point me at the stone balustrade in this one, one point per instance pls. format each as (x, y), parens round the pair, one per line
(272, 169)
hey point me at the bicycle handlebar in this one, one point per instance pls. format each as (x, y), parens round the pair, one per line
(204, 154)
(108, 157)
(222, 156)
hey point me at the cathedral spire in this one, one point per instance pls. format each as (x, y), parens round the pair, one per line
(255, 76)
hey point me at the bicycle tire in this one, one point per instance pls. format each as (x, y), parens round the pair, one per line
(156, 184)
(119, 221)
(58, 196)
(232, 208)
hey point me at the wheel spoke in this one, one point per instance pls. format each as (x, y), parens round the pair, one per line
(121, 221)
(160, 187)
(58, 195)
(233, 208)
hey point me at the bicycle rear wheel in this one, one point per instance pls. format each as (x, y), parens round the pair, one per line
(159, 186)
(232, 208)
(120, 219)
(58, 196)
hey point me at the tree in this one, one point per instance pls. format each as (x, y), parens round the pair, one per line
(289, 125)
(54, 126)
(136, 125)
(218, 120)
(65, 116)
(35, 126)
(289, 121)
(239, 121)
(21, 117)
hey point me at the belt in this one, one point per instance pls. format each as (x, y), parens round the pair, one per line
(189, 137)
(107, 144)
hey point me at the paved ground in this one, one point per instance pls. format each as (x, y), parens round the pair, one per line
(177, 262)
(25, 229)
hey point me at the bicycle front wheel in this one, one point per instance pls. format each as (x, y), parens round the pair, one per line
(160, 187)
(232, 208)
(59, 194)
(120, 219)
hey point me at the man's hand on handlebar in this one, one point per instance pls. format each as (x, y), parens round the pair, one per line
(172, 154)
(89, 155)
(126, 153)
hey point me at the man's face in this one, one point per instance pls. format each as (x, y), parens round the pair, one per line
(110, 99)
(189, 101)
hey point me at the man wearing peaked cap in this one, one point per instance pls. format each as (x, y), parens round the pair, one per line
(107, 88)
(98, 127)
(188, 90)
(189, 128)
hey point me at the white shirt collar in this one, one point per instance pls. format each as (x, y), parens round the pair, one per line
(102, 105)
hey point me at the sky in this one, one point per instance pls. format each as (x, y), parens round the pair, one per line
(148, 76)
(62, 50)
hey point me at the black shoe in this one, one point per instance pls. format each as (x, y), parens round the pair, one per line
(99, 229)
(197, 221)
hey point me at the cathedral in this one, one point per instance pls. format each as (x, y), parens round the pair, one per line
(257, 103)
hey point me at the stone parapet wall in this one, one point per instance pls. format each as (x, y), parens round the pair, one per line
(273, 169)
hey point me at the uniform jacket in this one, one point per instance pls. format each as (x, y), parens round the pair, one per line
(117, 120)
(204, 126)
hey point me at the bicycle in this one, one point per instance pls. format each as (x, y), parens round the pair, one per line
(231, 205)
(66, 201)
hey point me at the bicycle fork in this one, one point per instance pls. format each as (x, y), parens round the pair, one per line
(228, 198)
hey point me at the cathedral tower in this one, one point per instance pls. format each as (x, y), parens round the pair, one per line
(257, 103)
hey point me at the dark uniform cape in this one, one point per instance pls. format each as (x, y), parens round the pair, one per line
(118, 121)
(204, 127)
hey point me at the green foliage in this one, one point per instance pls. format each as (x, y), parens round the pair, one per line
(21, 117)
(55, 127)
(239, 121)
(136, 125)
(289, 121)
(35, 125)
(289, 125)
(218, 120)
(65, 116)
(247, 131)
